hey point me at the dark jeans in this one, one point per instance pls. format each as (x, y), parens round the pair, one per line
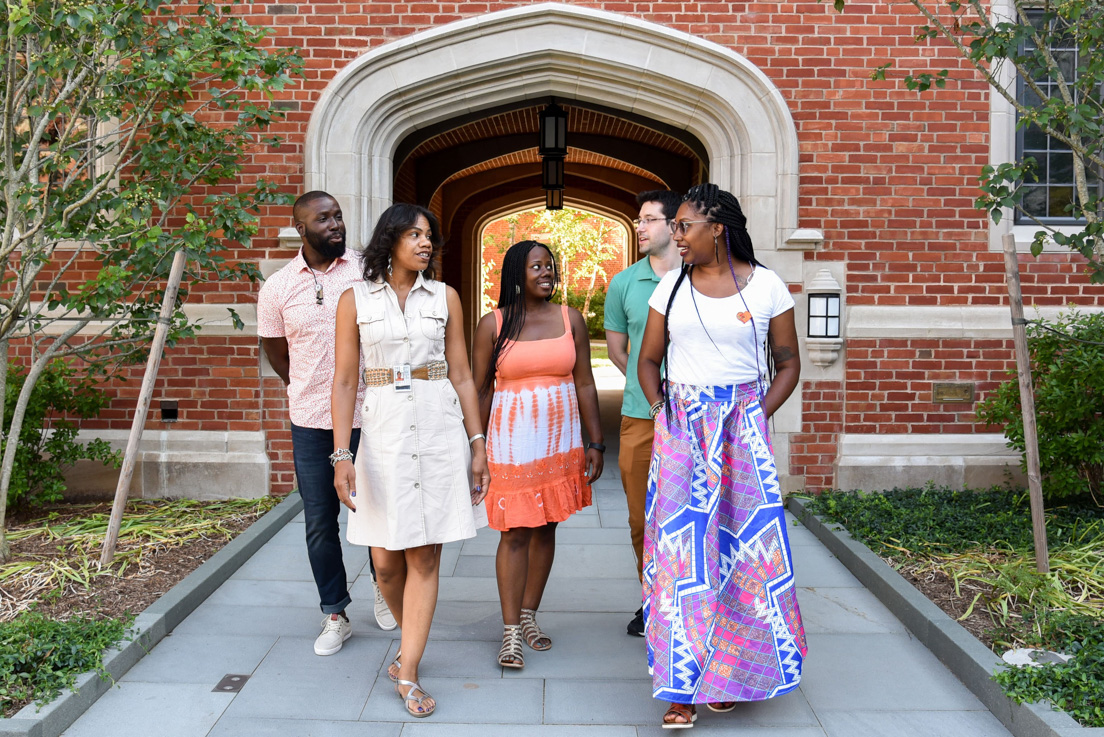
(311, 450)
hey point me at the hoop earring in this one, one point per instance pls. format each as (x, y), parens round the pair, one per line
(389, 266)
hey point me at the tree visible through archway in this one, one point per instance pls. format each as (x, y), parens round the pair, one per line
(589, 248)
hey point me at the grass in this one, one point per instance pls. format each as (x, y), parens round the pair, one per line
(982, 540)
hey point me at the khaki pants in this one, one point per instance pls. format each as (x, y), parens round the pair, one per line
(633, 460)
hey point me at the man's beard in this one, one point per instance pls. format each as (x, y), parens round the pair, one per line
(326, 248)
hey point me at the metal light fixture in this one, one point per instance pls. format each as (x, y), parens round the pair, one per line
(552, 148)
(553, 131)
(824, 315)
(552, 173)
(823, 330)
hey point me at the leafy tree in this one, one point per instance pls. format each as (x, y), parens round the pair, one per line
(577, 239)
(126, 126)
(1054, 48)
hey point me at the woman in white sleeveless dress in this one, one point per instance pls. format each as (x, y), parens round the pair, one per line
(421, 470)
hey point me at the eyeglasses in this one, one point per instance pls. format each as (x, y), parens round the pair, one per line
(637, 222)
(681, 226)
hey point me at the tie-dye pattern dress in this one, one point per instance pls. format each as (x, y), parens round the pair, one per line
(534, 438)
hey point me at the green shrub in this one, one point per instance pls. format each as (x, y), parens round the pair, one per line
(1076, 687)
(1069, 405)
(48, 440)
(40, 656)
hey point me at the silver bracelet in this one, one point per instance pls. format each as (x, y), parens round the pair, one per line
(477, 436)
(655, 408)
(341, 454)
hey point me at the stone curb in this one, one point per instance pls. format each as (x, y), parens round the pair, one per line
(159, 619)
(972, 662)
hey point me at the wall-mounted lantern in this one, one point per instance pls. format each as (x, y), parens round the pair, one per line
(825, 317)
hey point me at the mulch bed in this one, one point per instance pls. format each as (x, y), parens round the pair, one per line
(115, 595)
(940, 590)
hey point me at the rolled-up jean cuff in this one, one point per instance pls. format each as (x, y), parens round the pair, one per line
(337, 608)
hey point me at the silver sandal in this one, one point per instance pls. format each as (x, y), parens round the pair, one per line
(532, 631)
(511, 654)
(397, 664)
(414, 686)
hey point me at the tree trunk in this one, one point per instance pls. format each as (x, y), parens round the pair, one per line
(590, 293)
(5, 550)
(12, 444)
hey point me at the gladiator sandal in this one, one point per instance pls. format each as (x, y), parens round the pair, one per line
(534, 638)
(511, 655)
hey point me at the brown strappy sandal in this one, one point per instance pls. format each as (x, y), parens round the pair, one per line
(686, 712)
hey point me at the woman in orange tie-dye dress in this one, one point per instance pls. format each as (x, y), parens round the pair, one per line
(533, 358)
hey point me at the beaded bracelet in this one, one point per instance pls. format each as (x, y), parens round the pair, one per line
(656, 407)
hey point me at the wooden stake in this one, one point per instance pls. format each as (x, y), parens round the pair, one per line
(144, 396)
(1027, 403)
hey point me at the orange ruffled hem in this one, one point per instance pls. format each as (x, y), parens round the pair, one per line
(534, 494)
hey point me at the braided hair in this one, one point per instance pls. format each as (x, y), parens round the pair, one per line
(717, 206)
(511, 300)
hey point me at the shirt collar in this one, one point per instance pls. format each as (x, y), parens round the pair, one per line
(301, 264)
(647, 273)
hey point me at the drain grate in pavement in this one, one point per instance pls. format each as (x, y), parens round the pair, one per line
(230, 683)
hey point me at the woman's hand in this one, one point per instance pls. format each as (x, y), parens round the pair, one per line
(345, 483)
(594, 464)
(480, 475)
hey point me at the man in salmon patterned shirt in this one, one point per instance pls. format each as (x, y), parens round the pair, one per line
(296, 317)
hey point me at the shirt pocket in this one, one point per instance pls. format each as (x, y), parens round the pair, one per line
(373, 326)
(432, 323)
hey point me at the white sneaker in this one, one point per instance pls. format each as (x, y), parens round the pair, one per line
(336, 629)
(384, 618)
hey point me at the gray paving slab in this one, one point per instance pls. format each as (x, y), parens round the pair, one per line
(292, 681)
(589, 644)
(454, 659)
(226, 619)
(883, 671)
(582, 520)
(845, 610)
(255, 727)
(717, 724)
(290, 563)
(562, 594)
(142, 709)
(912, 724)
(201, 659)
(815, 567)
(463, 700)
(428, 729)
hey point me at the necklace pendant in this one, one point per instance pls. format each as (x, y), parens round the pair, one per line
(318, 294)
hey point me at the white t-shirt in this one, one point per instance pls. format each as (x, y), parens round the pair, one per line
(725, 351)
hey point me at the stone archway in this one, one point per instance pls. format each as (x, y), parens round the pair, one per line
(531, 53)
(575, 53)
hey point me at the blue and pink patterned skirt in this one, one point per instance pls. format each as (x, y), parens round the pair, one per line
(720, 603)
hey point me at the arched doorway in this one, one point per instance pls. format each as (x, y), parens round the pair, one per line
(448, 117)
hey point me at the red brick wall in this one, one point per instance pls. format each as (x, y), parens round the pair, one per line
(889, 176)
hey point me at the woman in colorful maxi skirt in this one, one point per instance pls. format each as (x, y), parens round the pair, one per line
(720, 604)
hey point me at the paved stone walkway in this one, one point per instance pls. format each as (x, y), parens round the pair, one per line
(865, 674)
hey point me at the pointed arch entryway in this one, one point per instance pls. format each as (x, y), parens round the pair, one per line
(529, 54)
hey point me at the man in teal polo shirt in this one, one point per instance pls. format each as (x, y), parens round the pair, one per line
(626, 315)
